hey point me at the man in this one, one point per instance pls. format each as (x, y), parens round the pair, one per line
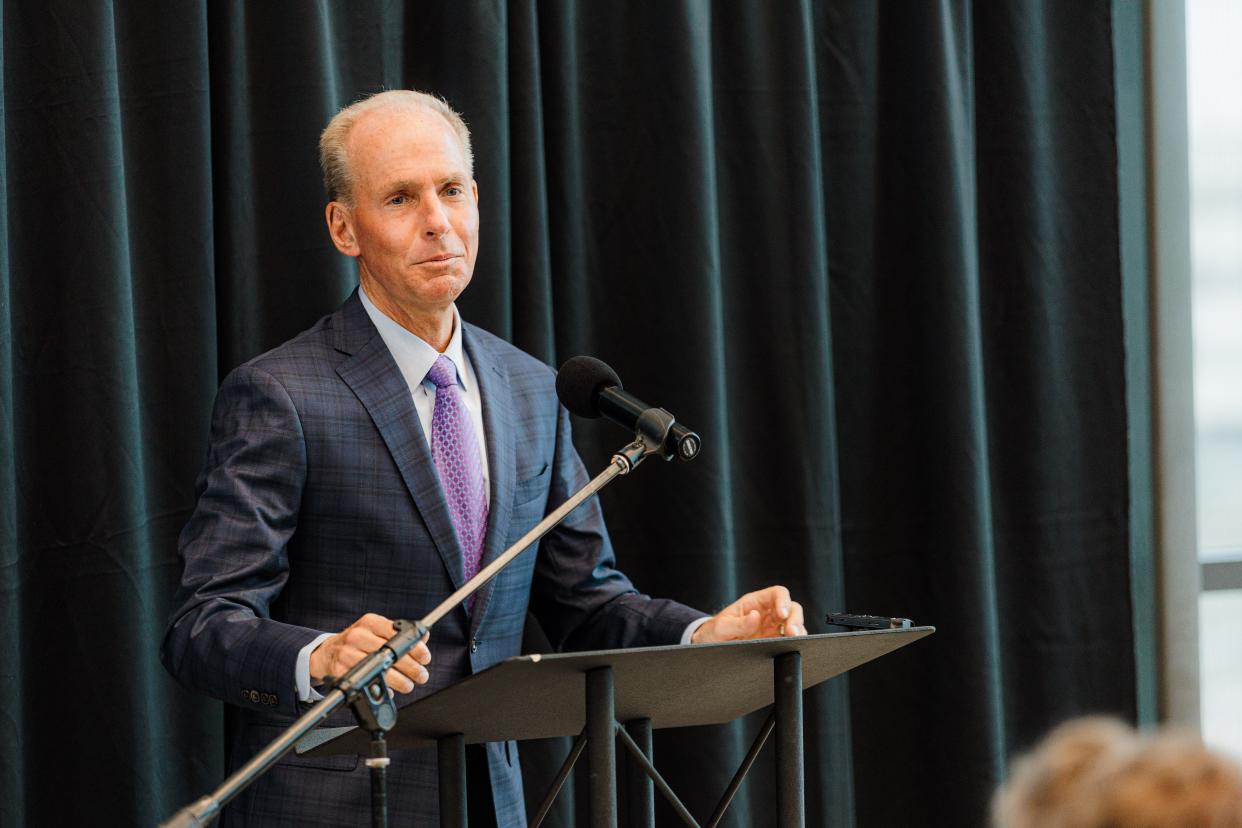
(363, 470)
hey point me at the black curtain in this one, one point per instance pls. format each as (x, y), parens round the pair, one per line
(869, 250)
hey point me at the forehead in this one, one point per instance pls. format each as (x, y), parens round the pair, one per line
(404, 143)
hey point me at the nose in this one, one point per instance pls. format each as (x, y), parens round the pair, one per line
(435, 219)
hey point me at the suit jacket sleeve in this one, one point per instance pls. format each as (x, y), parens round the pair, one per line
(221, 639)
(581, 599)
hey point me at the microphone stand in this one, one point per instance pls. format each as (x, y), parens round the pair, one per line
(364, 688)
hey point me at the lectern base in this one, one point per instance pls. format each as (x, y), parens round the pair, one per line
(601, 734)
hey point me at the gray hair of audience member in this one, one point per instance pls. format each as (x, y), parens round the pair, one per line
(1044, 783)
(1098, 773)
(334, 140)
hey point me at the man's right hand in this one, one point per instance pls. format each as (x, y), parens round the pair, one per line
(336, 655)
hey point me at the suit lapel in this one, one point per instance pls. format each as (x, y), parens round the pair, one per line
(372, 374)
(498, 426)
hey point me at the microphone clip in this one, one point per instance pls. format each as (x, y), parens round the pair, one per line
(650, 437)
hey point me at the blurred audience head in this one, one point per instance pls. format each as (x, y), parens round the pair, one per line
(1043, 784)
(1099, 773)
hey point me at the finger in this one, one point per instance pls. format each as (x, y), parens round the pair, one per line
(377, 624)
(796, 623)
(399, 682)
(776, 600)
(421, 653)
(416, 672)
(773, 600)
(364, 639)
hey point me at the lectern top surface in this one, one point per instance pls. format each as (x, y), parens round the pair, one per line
(541, 696)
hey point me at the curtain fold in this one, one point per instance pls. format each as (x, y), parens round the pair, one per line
(870, 252)
(109, 300)
(12, 631)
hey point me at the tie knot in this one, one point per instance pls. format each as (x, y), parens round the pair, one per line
(443, 373)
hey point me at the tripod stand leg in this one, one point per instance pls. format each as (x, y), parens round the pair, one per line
(601, 747)
(790, 794)
(378, 763)
(451, 751)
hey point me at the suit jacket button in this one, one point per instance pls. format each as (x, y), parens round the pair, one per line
(474, 645)
(254, 696)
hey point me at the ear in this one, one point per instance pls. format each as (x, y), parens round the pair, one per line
(341, 227)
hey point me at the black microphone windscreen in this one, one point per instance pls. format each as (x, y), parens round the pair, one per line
(579, 380)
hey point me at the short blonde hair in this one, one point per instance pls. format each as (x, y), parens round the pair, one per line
(1174, 780)
(338, 183)
(1046, 782)
(1099, 773)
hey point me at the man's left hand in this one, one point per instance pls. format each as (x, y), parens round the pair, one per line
(768, 613)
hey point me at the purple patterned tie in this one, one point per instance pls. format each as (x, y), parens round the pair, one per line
(455, 450)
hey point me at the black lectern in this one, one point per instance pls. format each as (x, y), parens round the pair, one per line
(588, 695)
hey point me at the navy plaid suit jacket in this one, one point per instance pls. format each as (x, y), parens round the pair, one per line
(319, 502)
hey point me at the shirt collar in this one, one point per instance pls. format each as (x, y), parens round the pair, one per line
(413, 355)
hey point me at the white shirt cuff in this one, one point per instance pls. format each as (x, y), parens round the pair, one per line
(301, 671)
(690, 629)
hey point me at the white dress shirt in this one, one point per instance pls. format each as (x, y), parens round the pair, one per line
(414, 359)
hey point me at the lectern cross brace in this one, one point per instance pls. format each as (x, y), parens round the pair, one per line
(602, 731)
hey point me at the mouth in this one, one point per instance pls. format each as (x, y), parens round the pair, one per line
(440, 258)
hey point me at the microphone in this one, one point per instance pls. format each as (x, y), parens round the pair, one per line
(589, 388)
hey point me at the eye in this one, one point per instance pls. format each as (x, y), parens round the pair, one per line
(397, 200)
(454, 190)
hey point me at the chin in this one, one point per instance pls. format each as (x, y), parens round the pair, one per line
(443, 288)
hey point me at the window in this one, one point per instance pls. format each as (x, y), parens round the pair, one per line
(1214, 63)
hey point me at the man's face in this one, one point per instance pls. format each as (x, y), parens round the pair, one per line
(414, 226)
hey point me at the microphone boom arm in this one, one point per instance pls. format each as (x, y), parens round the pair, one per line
(363, 686)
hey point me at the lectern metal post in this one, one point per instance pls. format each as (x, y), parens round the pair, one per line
(601, 747)
(451, 751)
(790, 801)
(640, 795)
